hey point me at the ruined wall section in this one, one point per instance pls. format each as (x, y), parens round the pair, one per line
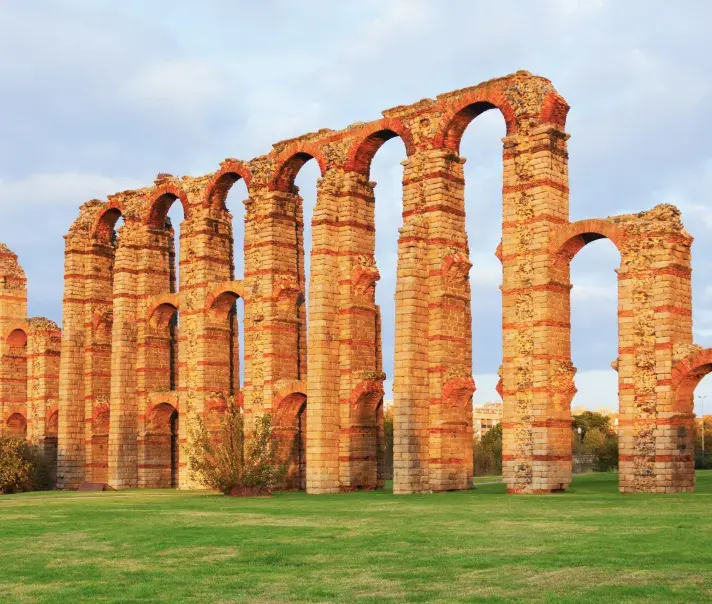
(13, 339)
(655, 330)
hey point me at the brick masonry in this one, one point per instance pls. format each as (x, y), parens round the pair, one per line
(131, 377)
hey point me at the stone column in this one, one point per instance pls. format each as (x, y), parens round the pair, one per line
(43, 348)
(655, 331)
(450, 322)
(70, 429)
(98, 321)
(323, 381)
(361, 383)
(141, 270)
(410, 379)
(537, 373)
(275, 339)
(206, 259)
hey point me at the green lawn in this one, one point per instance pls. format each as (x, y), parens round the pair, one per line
(590, 544)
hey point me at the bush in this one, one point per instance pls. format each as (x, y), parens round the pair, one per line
(22, 466)
(487, 453)
(227, 460)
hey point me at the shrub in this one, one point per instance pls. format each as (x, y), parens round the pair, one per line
(227, 459)
(487, 453)
(22, 466)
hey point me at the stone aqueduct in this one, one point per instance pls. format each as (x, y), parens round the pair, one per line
(114, 403)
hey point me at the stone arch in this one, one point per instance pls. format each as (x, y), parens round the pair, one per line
(221, 298)
(160, 452)
(289, 421)
(16, 424)
(465, 110)
(371, 138)
(52, 421)
(569, 239)
(161, 310)
(161, 201)
(105, 223)
(686, 375)
(509, 96)
(216, 191)
(290, 161)
(17, 336)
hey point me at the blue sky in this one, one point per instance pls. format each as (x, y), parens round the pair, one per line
(101, 96)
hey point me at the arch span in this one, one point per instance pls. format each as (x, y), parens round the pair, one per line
(290, 160)
(231, 170)
(371, 138)
(569, 239)
(161, 201)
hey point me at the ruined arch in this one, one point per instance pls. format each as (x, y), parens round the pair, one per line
(160, 203)
(105, 223)
(17, 337)
(161, 310)
(160, 448)
(570, 238)
(222, 297)
(370, 139)
(221, 182)
(16, 424)
(289, 422)
(686, 375)
(290, 160)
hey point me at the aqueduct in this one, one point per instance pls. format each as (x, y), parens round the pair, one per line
(130, 375)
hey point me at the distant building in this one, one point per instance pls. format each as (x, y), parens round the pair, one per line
(484, 418)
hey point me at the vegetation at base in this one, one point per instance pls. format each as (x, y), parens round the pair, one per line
(227, 459)
(596, 448)
(703, 455)
(588, 544)
(487, 453)
(388, 441)
(22, 466)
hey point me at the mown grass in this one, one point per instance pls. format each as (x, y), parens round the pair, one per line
(590, 544)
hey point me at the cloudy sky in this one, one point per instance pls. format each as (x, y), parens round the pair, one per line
(100, 96)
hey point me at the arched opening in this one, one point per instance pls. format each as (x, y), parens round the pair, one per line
(100, 444)
(50, 444)
(13, 369)
(305, 185)
(383, 165)
(480, 143)
(692, 390)
(235, 194)
(223, 331)
(17, 425)
(594, 353)
(702, 429)
(101, 280)
(290, 432)
(160, 465)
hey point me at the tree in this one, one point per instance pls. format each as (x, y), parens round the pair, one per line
(487, 453)
(591, 420)
(599, 442)
(227, 460)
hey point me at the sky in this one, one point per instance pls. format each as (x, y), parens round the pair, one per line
(100, 96)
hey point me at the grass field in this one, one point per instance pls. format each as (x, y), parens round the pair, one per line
(590, 544)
